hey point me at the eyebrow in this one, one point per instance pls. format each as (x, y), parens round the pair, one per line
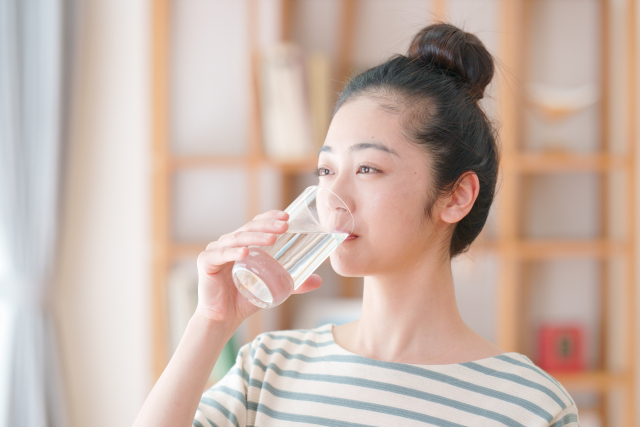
(361, 146)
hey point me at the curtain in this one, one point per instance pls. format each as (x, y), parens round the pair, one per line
(32, 36)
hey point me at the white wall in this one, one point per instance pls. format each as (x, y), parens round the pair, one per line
(102, 298)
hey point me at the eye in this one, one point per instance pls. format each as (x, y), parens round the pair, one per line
(367, 169)
(321, 172)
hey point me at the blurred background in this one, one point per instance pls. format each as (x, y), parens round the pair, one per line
(132, 133)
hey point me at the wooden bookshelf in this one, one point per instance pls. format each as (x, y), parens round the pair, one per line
(511, 248)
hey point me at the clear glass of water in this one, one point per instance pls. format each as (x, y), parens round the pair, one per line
(318, 222)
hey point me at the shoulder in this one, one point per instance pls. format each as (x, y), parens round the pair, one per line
(289, 344)
(515, 374)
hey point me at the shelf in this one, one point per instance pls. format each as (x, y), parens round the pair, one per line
(555, 248)
(563, 162)
(590, 380)
(305, 164)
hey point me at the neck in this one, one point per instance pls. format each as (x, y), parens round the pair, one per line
(411, 316)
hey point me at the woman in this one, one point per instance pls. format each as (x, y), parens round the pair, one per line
(414, 157)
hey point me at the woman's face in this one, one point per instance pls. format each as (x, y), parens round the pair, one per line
(384, 179)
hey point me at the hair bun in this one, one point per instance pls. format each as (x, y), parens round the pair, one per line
(448, 48)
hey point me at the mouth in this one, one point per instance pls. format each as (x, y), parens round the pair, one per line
(351, 237)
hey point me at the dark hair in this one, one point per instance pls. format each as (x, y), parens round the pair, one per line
(439, 82)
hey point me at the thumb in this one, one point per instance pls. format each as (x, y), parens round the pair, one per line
(313, 282)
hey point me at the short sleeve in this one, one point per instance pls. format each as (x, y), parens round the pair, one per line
(568, 417)
(225, 403)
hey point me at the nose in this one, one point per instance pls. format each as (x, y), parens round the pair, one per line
(339, 212)
(344, 200)
(342, 187)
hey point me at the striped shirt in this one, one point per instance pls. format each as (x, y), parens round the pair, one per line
(302, 377)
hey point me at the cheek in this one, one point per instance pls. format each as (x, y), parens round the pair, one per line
(400, 214)
(394, 227)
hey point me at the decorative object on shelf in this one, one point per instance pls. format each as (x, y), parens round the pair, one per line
(559, 103)
(561, 347)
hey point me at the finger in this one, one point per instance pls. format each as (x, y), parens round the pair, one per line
(313, 282)
(273, 214)
(270, 225)
(213, 261)
(245, 238)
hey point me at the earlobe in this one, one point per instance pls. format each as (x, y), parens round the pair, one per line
(462, 198)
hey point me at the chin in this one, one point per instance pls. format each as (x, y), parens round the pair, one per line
(346, 266)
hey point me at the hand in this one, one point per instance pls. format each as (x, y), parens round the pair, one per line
(218, 297)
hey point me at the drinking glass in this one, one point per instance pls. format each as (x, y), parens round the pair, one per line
(319, 221)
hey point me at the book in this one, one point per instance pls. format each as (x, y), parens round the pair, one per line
(286, 115)
(319, 77)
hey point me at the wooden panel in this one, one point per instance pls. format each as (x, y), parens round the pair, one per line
(631, 276)
(439, 10)
(288, 13)
(605, 265)
(160, 11)
(509, 97)
(346, 42)
(255, 324)
(591, 380)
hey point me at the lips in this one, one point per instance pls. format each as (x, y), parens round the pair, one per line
(351, 236)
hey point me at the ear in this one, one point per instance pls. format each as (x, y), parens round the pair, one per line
(462, 199)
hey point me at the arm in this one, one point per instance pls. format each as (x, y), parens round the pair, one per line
(174, 399)
(221, 309)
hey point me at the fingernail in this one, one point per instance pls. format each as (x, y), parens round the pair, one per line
(239, 250)
(279, 223)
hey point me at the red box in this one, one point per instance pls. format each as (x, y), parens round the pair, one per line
(561, 347)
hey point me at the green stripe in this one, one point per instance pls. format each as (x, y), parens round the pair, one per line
(197, 423)
(215, 404)
(233, 393)
(516, 379)
(391, 388)
(567, 419)
(535, 369)
(300, 342)
(306, 419)
(286, 354)
(354, 404)
(421, 372)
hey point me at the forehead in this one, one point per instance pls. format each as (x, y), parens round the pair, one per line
(366, 120)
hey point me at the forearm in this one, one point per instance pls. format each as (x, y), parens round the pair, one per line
(174, 398)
